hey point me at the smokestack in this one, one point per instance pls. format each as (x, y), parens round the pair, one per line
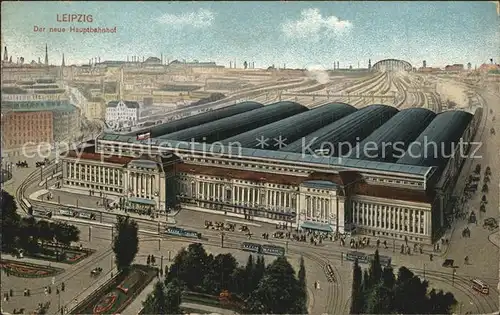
(99, 59)
(127, 58)
(230, 64)
(142, 58)
(284, 66)
(235, 63)
(161, 58)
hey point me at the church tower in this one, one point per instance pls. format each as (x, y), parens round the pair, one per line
(62, 63)
(369, 64)
(46, 55)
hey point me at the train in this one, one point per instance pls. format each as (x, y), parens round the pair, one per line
(263, 249)
(60, 212)
(177, 231)
(367, 258)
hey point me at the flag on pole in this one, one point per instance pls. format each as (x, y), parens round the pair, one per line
(144, 136)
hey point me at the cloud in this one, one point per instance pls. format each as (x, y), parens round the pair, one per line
(313, 25)
(198, 19)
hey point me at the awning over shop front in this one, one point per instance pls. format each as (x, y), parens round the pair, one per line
(142, 201)
(316, 226)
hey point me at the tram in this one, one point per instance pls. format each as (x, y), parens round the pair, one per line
(177, 231)
(272, 250)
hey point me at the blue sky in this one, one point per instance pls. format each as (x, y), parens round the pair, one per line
(297, 34)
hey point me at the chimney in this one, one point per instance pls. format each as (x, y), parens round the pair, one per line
(62, 63)
(230, 64)
(46, 55)
(5, 56)
(127, 58)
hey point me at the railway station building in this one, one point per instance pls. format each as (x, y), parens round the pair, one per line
(216, 162)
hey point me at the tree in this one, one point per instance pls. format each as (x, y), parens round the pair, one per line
(125, 243)
(28, 234)
(366, 282)
(357, 293)
(45, 231)
(219, 275)
(163, 299)
(156, 301)
(380, 300)
(174, 297)
(190, 266)
(388, 279)
(410, 293)
(278, 291)
(440, 303)
(10, 221)
(375, 269)
(65, 233)
(302, 276)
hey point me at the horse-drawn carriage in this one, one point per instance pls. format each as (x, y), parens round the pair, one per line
(96, 271)
(22, 164)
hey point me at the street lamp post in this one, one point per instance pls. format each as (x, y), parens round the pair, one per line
(90, 233)
(453, 276)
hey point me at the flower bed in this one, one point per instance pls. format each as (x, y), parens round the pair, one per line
(28, 270)
(114, 296)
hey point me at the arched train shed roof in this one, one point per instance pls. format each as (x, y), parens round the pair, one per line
(203, 118)
(389, 142)
(231, 126)
(349, 129)
(391, 64)
(442, 133)
(292, 128)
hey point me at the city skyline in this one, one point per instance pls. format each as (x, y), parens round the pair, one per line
(295, 34)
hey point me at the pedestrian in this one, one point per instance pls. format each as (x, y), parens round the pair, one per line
(62, 286)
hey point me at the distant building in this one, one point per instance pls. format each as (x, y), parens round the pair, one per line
(122, 113)
(469, 66)
(487, 67)
(424, 64)
(95, 109)
(26, 128)
(429, 69)
(455, 67)
(38, 121)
